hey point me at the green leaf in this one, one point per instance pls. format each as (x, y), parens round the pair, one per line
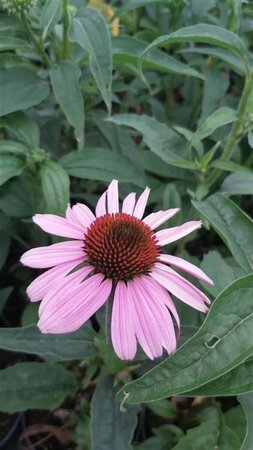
(65, 83)
(10, 167)
(203, 436)
(61, 346)
(12, 43)
(232, 225)
(161, 140)
(55, 185)
(218, 118)
(237, 381)
(231, 60)
(229, 166)
(91, 32)
(247, 404)
(127, 50)
(223, 342)
(220, 271)
(133, 4)
(15, 199)
(13, 147)
(101, 164)
(23, 128)
(110, 428)
(50, 16)
(238, 184)
(204, 33)
(163, 408)
(29, 89)
(236, 420)
(34, 386)
(4, 295)
(5, 241)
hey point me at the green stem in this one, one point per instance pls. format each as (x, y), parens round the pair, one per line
(109, 305)
(39, 47)
(65, 43)
(235, 134)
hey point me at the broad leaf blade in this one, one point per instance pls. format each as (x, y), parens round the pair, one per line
(223, 342)
(161, 140)
(61, 346)
(110, 428)
(34, 386)
(233, 226)
(91, 32)
(101, 164)
(10, 167)
(55, 185)
(65, 82)
(29, 89)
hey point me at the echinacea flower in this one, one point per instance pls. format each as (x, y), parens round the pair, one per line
(120, 256)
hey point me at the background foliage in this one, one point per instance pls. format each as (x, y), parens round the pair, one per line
(158, 93)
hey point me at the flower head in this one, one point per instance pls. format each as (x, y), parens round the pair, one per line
(120, 256)
(18, 6)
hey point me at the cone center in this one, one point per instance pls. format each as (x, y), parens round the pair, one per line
(121, 246)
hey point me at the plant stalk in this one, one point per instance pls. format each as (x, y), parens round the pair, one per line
(235, 133)
(65, 43)
(36, 43)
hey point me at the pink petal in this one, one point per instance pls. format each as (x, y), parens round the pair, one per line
(63, 290)
(71, 315)
(59, 226)
(83, 215)
(161, 315)
(101, 205)
(51, 255)
(113, 197)
(173, 234)
(39, 287)
(129, 203)
(141, 204)
(161, 295)
(179, 287)
(147, 329)
(70, 216)
(122, 325)
(185, 266)
(154, 220)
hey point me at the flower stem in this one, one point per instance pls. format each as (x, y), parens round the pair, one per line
(39, 47)
(236, 131)
(108, 317)
(65, 43)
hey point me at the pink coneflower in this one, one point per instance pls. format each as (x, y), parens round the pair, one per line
(120, 254)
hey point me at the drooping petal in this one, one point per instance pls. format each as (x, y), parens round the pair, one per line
(173, 234)
(129, 203)
(180, 287)
(154, 220)
(122, 325)
(51, 255)
(40, 286)
(59, 226)
(147, 329)
(113, 197)
(101, 205)
(83, 214)
(70, 216)
(63, 290)
(186, 266)
(73, 313)
(172, 272)
(141, 203)
(161, 295)
(160, 314)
